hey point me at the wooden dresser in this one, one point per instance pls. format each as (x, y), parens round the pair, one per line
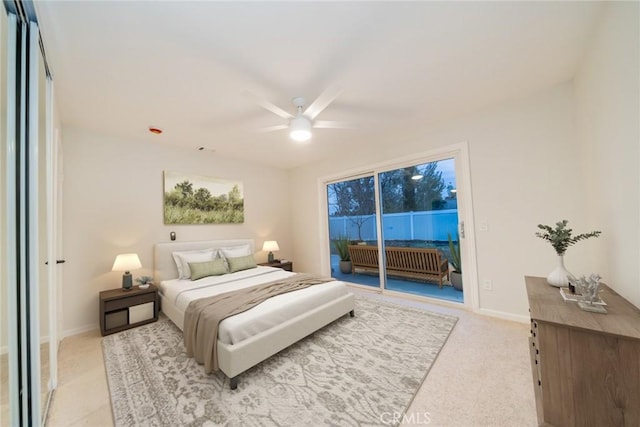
(586, 366)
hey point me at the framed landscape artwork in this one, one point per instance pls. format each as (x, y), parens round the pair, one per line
(196, 199)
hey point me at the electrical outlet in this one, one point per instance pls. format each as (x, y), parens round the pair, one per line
(487, 285)
(484, 226)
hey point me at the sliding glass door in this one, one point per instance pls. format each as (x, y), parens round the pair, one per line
(419, 214)
(352, 230)
(397, 229)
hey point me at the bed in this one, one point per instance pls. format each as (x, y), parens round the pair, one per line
(248, 338)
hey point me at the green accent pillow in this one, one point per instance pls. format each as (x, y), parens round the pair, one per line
(241, 263)
(207, 268)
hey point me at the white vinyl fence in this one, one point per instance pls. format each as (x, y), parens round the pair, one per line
(425, 225)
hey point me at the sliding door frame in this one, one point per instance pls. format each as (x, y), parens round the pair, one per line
(460, 153)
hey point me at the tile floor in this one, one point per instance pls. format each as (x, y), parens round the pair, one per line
(482, 377)
(4, 382)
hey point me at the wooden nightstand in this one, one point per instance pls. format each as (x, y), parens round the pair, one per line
(120, 309)
(283, 265)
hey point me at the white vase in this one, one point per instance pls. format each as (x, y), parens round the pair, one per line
(559, 276)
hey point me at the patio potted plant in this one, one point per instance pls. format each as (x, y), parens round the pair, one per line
(342, 247)
(456, 263)
(560, 238)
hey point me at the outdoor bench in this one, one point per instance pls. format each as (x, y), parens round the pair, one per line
(415, 263)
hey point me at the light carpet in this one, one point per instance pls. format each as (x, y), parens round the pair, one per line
(361, 371)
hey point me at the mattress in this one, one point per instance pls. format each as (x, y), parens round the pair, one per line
(260, 318)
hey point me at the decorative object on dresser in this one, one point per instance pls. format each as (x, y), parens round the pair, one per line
(586, 366)
(126, 263)
(283, 264)
(120, 310)
(560, 238)
(588, 289)
(569, 296)
(336, 376)
(270, 246)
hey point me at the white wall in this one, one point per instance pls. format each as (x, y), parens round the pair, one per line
(608, 123)
(113, 203)
(523, 172)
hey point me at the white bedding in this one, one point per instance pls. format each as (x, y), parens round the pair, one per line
(260, 318)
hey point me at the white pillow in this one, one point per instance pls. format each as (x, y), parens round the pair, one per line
(236, 251)
(183, 259)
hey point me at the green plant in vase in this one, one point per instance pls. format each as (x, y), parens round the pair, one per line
(341, 244)
(456, 262)
(561, 238)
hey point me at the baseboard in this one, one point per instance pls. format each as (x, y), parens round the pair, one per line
(505, 316)
(80, 330)
(5, 349)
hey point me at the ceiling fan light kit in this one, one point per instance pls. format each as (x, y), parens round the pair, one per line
(300, 125)
(300, 129)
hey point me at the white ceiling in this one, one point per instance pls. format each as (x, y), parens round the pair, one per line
(183, 66)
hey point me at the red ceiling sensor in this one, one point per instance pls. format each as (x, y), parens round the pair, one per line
(155, 130)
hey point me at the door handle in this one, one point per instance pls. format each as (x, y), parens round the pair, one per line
(58, 261)
(462, 229)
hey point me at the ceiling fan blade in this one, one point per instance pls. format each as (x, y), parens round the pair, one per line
(269, 106)
(322, 101)
(330, 124)
(272, 128)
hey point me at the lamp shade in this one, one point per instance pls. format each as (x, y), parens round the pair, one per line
(270, 245)
(126, 262)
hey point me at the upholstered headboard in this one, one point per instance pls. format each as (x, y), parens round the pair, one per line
(164, 265)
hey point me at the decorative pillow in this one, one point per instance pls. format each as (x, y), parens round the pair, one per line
(183, 259)
(241, 263)
(199, 270)
(236, 251)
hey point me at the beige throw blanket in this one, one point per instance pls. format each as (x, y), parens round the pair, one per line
(202, 317)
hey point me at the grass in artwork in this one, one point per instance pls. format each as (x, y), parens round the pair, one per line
(185, 205)
(181, 215)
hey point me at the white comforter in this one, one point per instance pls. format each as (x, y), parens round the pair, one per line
(261, 317)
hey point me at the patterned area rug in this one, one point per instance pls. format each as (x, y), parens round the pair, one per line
(354, 372)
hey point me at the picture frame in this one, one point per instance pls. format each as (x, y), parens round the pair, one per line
(198, 199)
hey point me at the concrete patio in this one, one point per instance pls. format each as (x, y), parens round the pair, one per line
(421, 288)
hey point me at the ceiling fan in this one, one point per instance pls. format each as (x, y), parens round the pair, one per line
(300, 124)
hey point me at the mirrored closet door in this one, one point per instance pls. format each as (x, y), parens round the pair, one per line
(5, 403)
(27, 259)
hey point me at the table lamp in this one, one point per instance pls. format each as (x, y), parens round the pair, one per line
(126, 263)
(270, 245)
